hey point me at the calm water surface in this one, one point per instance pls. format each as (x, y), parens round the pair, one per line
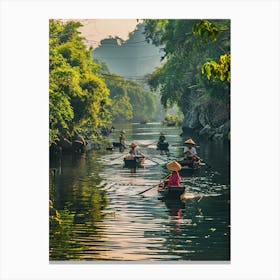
(105, 218)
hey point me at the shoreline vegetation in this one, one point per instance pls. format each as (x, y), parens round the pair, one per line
(84, 97)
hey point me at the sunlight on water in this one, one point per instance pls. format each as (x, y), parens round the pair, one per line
(109, 220)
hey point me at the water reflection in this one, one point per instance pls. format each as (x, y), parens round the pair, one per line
(79, 198)
(104, 218)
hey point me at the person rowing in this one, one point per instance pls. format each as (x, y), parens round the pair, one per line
(161, 137)
(161, 144)
(135, 152)
(190, 155)
(174, 179)
(122, 140)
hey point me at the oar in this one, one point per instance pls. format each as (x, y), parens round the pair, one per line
(117, 157)
(153, 160)
(211, 168)
(154, 185)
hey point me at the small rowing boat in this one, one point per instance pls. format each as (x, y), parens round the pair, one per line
(133, 161)
(188, 167)
(116, 144)
(171, 192)
(162, 146)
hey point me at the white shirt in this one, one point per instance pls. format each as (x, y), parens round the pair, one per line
(135, 152)
(192, 150)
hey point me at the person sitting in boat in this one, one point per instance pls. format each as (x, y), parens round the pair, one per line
(190, 155)
(122, 140)
(161, 139)
(135, 152)
(174, 179)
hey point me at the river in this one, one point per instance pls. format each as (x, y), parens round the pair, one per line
(105, 218)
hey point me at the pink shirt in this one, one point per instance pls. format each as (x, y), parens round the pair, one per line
(174, 180)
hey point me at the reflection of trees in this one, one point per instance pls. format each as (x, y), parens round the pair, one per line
(79, 199)
(61, 227)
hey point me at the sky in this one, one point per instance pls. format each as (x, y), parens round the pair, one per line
(94, 30)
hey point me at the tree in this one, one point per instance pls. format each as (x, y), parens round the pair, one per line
(187, 44)
(78, 96)
(216, 70)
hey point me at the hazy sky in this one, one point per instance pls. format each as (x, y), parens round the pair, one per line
(94, 30)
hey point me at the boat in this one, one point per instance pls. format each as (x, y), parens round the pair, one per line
(186, 167)
(171, 192)
(116, 144)
(133, 162)
(162, 146)
(171, 124)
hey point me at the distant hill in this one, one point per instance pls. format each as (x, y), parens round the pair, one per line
(133, 58)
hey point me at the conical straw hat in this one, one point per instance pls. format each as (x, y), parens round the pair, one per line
(161, 133)
(132, 145)
(173, 166)
(190, 141)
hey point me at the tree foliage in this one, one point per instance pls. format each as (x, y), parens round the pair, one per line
(216, 70)
(77, 95)
(191, 49)
(220, 70)
(206, 29)
(130, 100)
(144, 102)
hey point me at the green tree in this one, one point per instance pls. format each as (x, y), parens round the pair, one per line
(211, 31)
(130, 100)
(121, 107)
(190, 46)
(78, 96)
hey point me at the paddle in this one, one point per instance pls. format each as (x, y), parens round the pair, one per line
(154, 185)
(209, 166)
(153, 160)
(117, 157)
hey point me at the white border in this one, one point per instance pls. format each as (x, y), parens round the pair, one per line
(24, 138)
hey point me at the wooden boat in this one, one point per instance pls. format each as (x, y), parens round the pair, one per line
(171, 192)
(116, 144)
(186, 167)
(171, 124)
(162, 146)
(133, 162)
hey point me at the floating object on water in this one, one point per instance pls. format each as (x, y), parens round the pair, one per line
(133, 161)
(171, 192)
(162, 146)
(190, 167)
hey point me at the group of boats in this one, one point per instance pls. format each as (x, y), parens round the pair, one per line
(134, 161)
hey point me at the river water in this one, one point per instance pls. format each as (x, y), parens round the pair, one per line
(105, 218)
